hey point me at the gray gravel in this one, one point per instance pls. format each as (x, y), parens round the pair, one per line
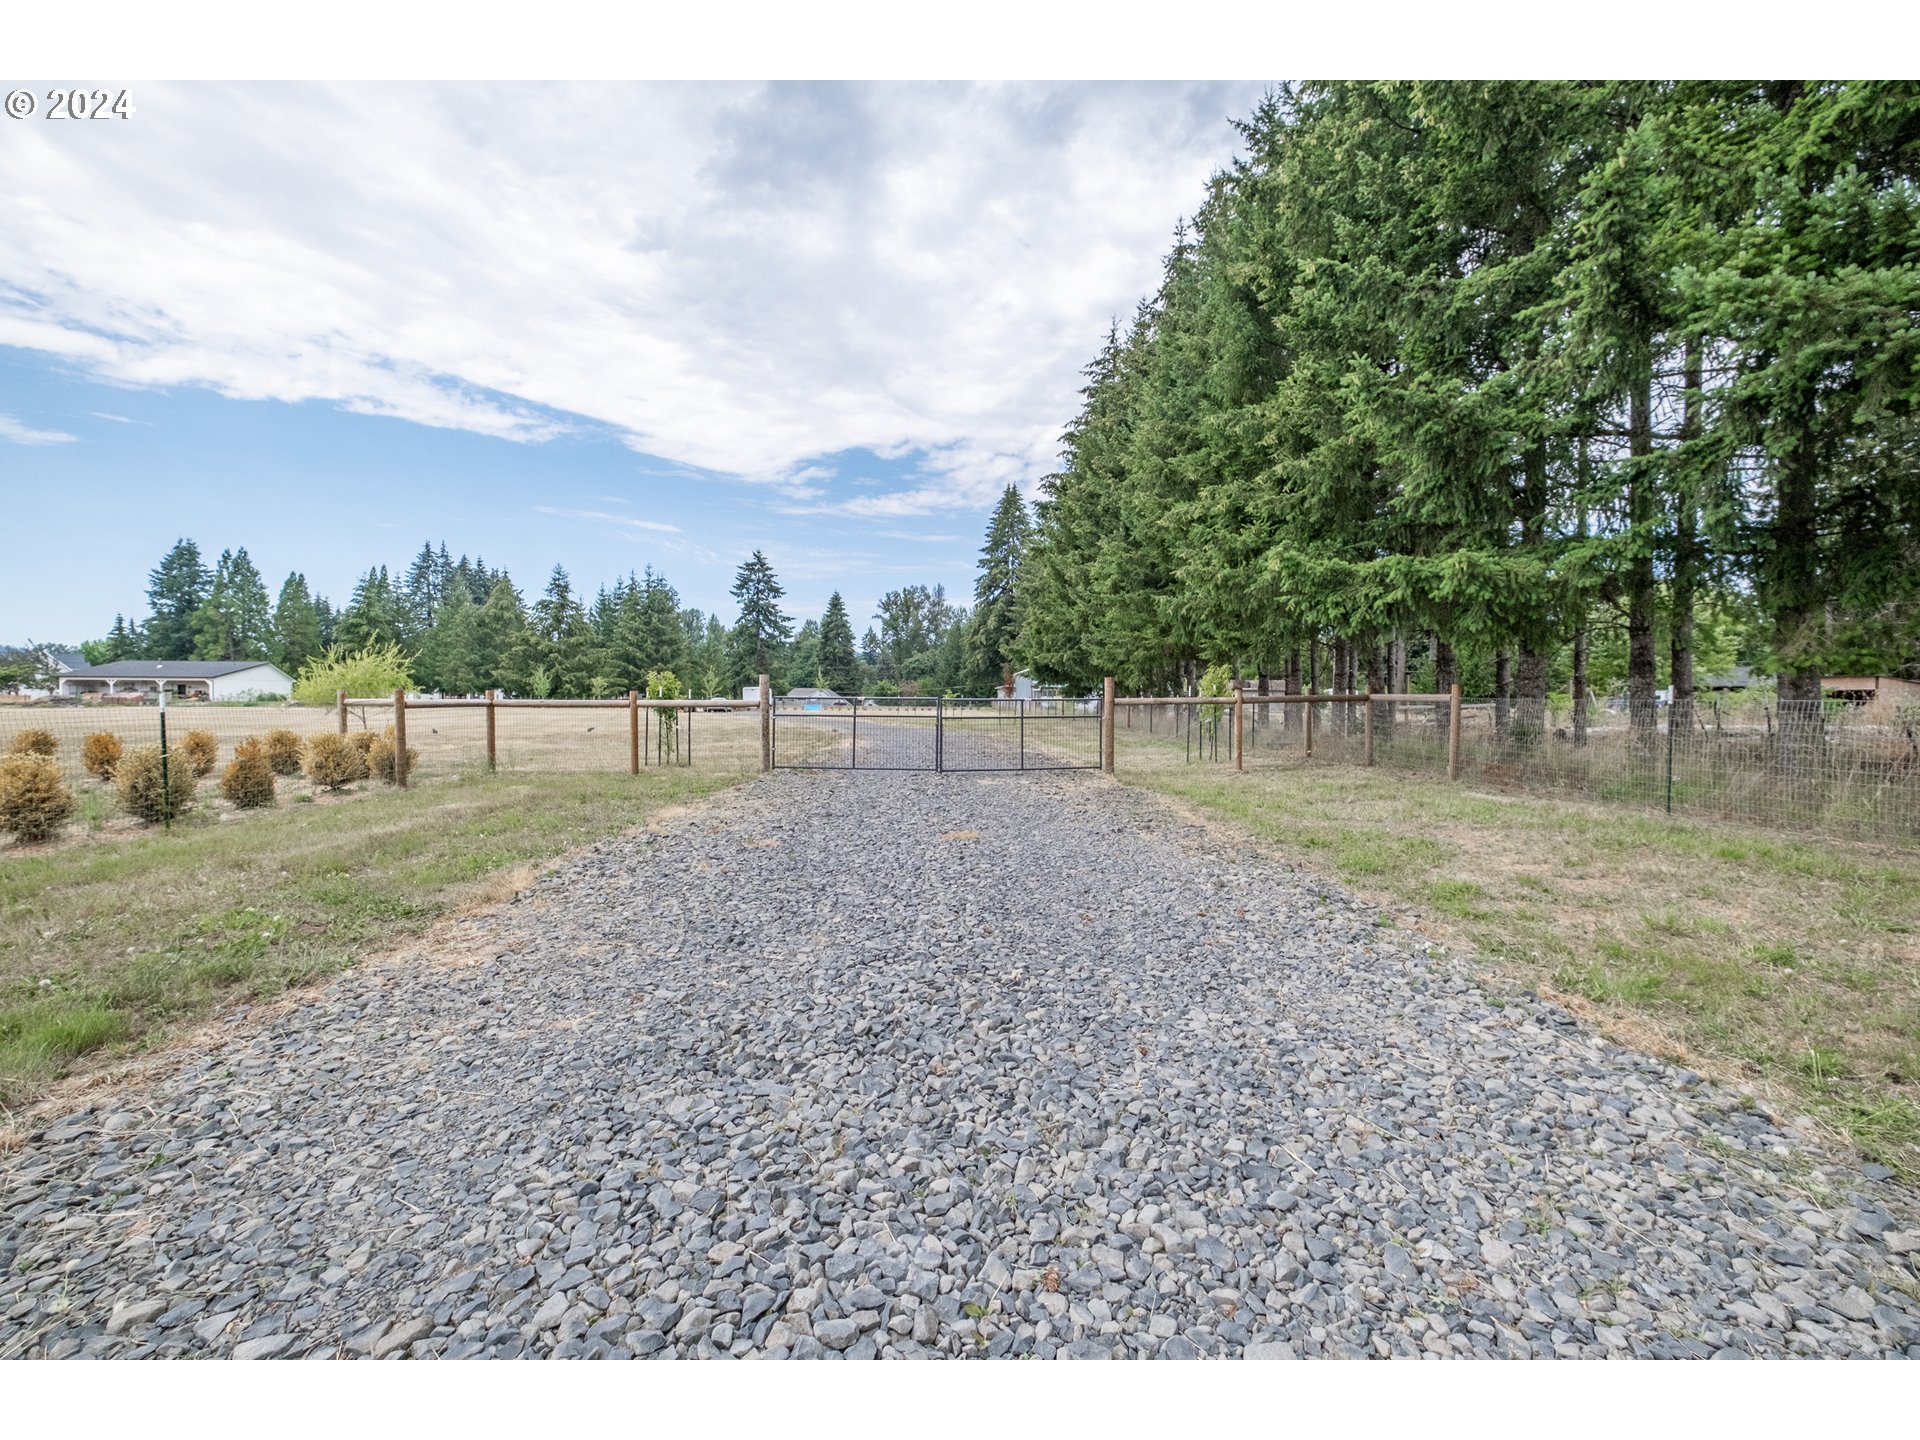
(812, 1074)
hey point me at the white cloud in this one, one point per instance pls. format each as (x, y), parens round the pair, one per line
(117, 419)
(21, 433)
(742, 279)
(624, 522)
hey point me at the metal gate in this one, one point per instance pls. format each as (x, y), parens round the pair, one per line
(893, 732)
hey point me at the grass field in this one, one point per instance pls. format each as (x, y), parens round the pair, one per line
(1792, 964)
(111, 947)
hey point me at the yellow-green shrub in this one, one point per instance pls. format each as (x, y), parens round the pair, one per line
(143, 791)
(333, 761)
(283, 752)
(99, 753)
(33, 801)
(248, 778)
(34, 741)
(200, 750)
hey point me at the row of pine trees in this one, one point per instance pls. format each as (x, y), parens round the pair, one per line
(467, 628)
(1502, 376)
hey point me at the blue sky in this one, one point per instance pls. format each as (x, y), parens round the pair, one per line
(605, 326)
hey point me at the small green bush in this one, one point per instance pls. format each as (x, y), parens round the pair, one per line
(283, 752)
(333, 762)
(33, 801)
(143, 792)
(200, 749)
(248, 779)
(34, 741)
(99, 753)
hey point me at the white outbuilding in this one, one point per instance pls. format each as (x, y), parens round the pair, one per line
(181, 679)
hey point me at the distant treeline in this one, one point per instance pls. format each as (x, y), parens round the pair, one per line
(467, 628)
(1553, 384)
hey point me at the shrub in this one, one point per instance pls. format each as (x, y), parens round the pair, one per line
(143, 791)
(200, 750)
(34, 741)
(33, 802)
(99, 753)
(380, 757)
(248, 778)
(371, 673)
(283, 752)
(362, 741)
(333, 762)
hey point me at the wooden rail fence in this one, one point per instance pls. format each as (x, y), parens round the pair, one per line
(639, 710)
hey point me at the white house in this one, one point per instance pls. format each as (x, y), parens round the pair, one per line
(181, 679)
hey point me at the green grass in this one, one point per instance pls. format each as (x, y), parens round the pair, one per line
(111, 943)
(1789, 963)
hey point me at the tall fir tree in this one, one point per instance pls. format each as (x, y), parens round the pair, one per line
(296, 625)
(762, 630)
(373, 616)
(838, 663)
(996, 600)
(235, 620)
(176, 589)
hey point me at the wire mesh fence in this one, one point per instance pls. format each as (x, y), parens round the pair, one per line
(1846, 770)
(925, 733)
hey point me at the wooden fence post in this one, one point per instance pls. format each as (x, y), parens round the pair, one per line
(400, 739)
(492, 695)
(1239, 731)
(1367, 724)
(766, 724)
(340, 698)
(633, 732)
(1453, 732)
(1106, 725)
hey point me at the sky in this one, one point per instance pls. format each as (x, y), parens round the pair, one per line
(600, 325)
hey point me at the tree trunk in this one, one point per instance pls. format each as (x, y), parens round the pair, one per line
(1397, 663)
(1290, 685)
(1379, 661)
(1580, 683)
(1445, 674)
(1643, 710)
(1502, 690)
(1338, 713)
(1529, 722)
(1793, 575)
(1686, 562)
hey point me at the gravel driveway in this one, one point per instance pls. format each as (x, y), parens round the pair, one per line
(914, 1064)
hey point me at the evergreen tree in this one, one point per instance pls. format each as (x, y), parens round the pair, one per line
(373, 616)
(450, 659)
(501, 639)
(803, 659)
(839, 666)
(234, 621)
(296, 625)
(175, 590)
(996, 603)
(559, 642)
(762, 630)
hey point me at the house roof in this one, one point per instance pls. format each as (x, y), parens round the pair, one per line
(805, 693)
(166, 669)
(67, 659)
